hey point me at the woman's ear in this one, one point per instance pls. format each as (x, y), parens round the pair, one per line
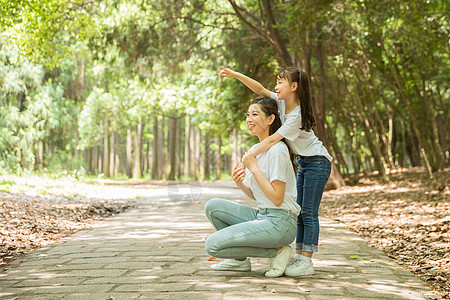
(294, 86)
(271, 119)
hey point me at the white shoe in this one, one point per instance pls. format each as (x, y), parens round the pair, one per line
(278, 263)
(298, 267)
(233, 265)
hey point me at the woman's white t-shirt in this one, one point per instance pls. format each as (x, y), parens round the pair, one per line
(302, 142)
(275, 164)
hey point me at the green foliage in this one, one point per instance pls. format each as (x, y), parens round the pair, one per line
(32, 110)
(42, 31)
(74, 72)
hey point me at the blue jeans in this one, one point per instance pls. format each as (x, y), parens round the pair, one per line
(243, 231)
(313, 173)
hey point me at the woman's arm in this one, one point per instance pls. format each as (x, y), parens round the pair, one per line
(273, 190)
(252, 84)
(238, 177)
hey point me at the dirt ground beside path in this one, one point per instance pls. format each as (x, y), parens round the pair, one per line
(35, 212)
(404, 218)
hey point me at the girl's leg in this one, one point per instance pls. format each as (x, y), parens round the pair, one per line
(316, 171)
(300, 226)
(311, 179)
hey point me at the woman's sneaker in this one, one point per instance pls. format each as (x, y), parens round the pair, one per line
(233, 265)
(278, 263)
(298, 267)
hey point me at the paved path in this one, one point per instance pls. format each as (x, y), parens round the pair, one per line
(156, 251)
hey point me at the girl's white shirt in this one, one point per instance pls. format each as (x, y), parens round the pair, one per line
(275, 164)
(304, 143)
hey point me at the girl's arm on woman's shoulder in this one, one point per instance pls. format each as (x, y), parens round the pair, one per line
(252, 84)
(267, 143)
(289, 130)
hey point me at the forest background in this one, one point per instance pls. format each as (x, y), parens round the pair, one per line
(130, 88)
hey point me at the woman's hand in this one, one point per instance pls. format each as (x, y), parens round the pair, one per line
(249, 161)
(224, 72)
(238, 174)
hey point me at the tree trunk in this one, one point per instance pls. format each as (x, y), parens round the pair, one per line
(414, 151)
(117, 155)
(218, 141)
(206, 163)
(112, 154)
(106, 148)
(155, 149)
(389, 144)
(197, 153)
(129, 150)
(403, 156)
(148, 158)
(162, 146)
(93, 161)
(137, 173)
(178, 151)
(22, 99)
(443, 138)
(82, 79)
(77, 152)
(193, 162)
(187, 153)
(172, 148)
(40, 156)
(99, 160)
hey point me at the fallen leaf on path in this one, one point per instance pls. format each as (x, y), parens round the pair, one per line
(303, 290)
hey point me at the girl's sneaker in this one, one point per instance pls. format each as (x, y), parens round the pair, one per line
(233, 265)
(298, 267)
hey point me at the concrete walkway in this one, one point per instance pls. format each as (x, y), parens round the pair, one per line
(156, 251)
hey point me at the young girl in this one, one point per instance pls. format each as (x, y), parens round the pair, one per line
(244, 232)
(314, 161)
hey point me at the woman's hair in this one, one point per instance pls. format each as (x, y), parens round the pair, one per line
(270, 107)
(299, 76)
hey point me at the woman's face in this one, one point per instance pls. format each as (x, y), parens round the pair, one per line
(283, 88)
(257, 121)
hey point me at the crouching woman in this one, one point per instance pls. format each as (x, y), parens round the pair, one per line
(265, 231)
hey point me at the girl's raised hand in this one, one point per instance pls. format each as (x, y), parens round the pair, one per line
(224, 72)
(238, 174)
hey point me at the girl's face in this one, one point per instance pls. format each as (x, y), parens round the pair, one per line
(283, 88)
(257, 121)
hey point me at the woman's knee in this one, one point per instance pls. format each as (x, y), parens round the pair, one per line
(210, 205)
(211, 246)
